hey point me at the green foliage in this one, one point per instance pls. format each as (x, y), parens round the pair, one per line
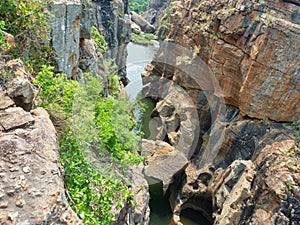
(93, 124)
(139, 5)
(3, 44)
(116, 130)
(99, 39)
(28, 21)
(214, 36)
(143, 39)
(56, 93)
(93, 191)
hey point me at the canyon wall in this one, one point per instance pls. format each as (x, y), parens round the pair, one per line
(239, 63)
(250, 47)
(71, 33)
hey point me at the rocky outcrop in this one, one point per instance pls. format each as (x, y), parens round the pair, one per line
(249, 47)
(154, 9)
(142, 23)
(113, 21)
(31, 181)
(250, 181)
(16, 81)
(71, 31)
(31, 188)
(66, 34)
(163, 161)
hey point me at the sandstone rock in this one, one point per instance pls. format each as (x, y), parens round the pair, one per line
(142, 23)
(135, 28)
(234, 190)
(30, 171)
(15, 117)
(141, 211)
(245, 46)
(163, 163)
(259, 190)
(5, 101)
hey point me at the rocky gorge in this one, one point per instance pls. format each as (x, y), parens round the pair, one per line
(226, 87)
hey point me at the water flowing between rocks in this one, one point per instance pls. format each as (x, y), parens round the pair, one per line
(138, 57)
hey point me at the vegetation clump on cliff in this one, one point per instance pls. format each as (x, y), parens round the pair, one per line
(139, 5)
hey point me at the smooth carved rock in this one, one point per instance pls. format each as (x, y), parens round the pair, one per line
(15, 117)
(31, 185)
(163, 161)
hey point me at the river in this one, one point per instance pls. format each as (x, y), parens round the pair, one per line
(138, 57)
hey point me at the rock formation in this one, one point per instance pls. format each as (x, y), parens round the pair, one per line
(31, 180)
(238, 61)
(71, 31)
(251, 49)
(142, 23)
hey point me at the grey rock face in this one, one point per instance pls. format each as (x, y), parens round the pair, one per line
(142, 23)
(66, 34)
(16, 82)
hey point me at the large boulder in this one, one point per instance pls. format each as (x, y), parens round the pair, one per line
(163, 162)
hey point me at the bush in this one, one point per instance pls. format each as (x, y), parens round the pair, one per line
(143, 39)
(28, 21)
(3, 44)
(94, 124)
(92, 191)
(139, 5)
(99, 39)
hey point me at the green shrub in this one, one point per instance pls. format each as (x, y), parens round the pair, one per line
(55, 92)
(92, 190)
(143, 39)
(99, 39)
(97, 124)
(28, 21)
(3, 44)
(139, 5)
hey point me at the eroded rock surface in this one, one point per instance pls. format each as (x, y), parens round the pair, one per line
(163, 161)
(251, 48)
(31, 188)
(16, 82)
(253, 179)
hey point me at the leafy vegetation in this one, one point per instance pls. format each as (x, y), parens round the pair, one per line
(143, 39)
(99, 39)
(96, 124)
(3, 44)
(28, 21)
(93, 192)
(139, 5)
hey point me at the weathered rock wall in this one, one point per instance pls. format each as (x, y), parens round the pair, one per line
(71, 28)
(31, 181)
(250, 47)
